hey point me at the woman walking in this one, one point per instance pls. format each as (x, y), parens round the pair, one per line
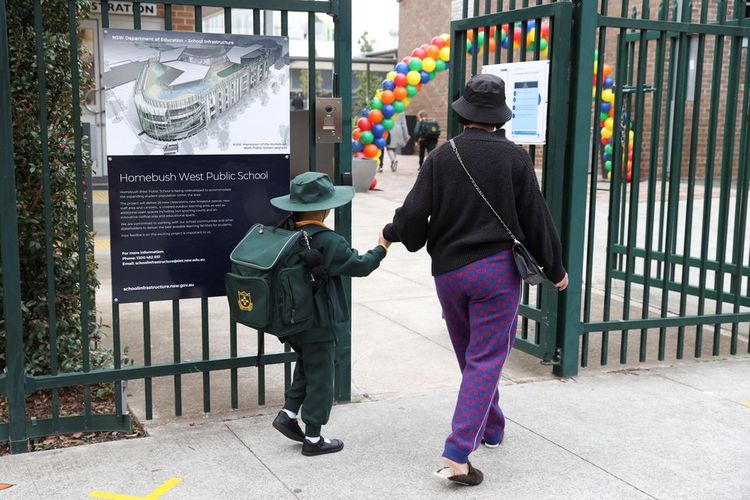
(477, 282)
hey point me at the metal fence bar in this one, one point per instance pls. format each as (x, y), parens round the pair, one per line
(83, 249)
(147, 385)
(206, 355)
(261, 368)
(41, 65)
(311, 90)
(176, 357)
(10, 259)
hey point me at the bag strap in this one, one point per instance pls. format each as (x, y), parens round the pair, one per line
(455, 150)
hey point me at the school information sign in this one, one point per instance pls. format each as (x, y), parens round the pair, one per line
(197, 143)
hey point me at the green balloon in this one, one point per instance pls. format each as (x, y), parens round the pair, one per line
(596, 55)
(481, 38)
(415, 64)
(366, 137)
(432, 76)
(439, 65)
(388, 123)
(608, 166)
(411, 90)
(608, 149)
(469, 45)
(376, 103)
(399, 106)
(543, 44)
(603, 116)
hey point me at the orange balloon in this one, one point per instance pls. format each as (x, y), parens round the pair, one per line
(387, 97)
(371, 151)
(434, 52)
(356, 133)
(606, 71)
(399, 93)
(470, 35)
(493, 45)
(376, 116)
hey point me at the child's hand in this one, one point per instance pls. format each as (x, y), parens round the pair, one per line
(382, 241)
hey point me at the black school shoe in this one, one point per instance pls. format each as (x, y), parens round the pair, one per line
(321, 447)
(288, 427)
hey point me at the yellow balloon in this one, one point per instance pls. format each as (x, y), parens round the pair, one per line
(609, 123)
(596, 67)
(445, 53)
(606, 133)
(609, 175)
(428, 64)
(608, 96)
(446, 38)
(531, 37)
(631, 136)
(413, 77)
(406, 101)
(543, 54)
(380, 153)
(378, 94)
(391, 75)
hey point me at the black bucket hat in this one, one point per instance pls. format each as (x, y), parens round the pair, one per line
(483, 101)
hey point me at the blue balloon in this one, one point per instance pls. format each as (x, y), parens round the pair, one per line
(378, 130)
(607, 157)
(388, 110)
(447, 65)
(366, 113)
(531, 24)
(609, 82)
(380, 142)
(606, 107)
(357, 146)
(425, 76)
(402, 68)
(505, 43)
(388, 85)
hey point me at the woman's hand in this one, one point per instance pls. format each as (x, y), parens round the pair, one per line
(563, 283)
(385, 243)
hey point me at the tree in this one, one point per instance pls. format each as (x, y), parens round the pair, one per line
(365, 45)
(368, 82)
(25, 106)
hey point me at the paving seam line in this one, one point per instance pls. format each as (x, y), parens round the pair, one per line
(702, 391)
(582, 458)
(405, 327)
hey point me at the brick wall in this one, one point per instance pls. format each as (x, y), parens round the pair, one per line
(419, 22)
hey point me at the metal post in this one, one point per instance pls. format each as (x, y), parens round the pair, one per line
(573, 230)
(9, 256)
(342, 14)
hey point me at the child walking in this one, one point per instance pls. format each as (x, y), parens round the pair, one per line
(312, 196)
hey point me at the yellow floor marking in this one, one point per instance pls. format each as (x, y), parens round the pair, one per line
(154, 495)
(5, 486)
(100, 196)
(102, 243)
(746, 403)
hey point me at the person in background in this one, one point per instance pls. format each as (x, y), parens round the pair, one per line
(397, 139)
(427, 133)
(298, 103)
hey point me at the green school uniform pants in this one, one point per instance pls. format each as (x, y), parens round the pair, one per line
(312, 386)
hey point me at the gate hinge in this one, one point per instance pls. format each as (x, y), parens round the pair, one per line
(555, 361)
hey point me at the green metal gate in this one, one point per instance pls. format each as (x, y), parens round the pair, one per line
(661, 252)
(16, 383)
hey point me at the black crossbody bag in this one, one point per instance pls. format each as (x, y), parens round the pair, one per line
(529, 269)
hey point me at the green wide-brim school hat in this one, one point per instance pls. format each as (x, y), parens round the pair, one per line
(313, 191)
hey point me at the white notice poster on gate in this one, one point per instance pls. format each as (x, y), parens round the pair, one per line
(526, 89)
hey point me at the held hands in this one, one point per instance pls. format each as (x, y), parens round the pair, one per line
(382, 241)
(563, 283)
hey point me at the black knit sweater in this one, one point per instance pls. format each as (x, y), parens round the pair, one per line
(444, 210)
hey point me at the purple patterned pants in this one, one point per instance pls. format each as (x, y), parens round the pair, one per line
(480, 305)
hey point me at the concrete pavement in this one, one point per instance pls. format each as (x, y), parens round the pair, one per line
(677, 432)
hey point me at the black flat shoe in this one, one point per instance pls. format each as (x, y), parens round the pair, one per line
(473, 478)
(321, 447)
(288, 427)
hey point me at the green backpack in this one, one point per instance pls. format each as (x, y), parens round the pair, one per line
(269, 287)
(429, 129)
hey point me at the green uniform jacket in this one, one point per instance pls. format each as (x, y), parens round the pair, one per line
(340, 259)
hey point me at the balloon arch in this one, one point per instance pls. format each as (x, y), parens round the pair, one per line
(370, 137)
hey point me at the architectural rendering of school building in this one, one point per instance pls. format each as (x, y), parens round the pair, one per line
(179, 93)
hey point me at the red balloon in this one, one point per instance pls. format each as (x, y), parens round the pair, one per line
(364, 124)
(418, 53)
(517, 35)
(376, 116)
(400, 80)
(492, 30)
(360, 154)
(373, 183)
(545, 30)
(371, 151)
(424, 46)
(385, 135)
(438, 42)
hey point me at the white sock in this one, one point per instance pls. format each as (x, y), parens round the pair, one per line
(315, 439)
(290, 414)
